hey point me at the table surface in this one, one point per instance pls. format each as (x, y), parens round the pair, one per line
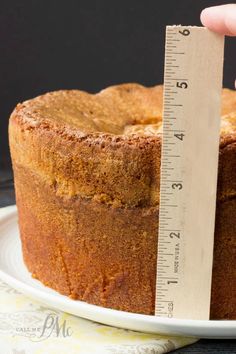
(7, 197)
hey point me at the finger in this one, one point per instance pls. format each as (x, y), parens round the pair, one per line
(221, 19)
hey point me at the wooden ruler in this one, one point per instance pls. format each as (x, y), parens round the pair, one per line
(189, 163)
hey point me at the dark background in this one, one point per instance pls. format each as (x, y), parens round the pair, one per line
(50, 45)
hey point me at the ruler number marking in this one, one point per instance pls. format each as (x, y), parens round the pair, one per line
(172, 282)
(174, 234)
(182, 84)
(179, 136)
(185, 32)
(177, 186)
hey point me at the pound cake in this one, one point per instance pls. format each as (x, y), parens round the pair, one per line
(87, 180)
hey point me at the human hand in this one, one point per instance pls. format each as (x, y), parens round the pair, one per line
(221, 19)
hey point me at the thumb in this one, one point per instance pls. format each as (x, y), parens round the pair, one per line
(221, 19)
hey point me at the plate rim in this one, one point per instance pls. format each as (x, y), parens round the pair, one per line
(39, 294)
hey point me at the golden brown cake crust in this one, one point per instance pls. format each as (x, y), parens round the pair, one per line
(127, 165)
(87, 174)
(114, 110)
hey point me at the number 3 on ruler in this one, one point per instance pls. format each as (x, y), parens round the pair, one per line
(177, 185)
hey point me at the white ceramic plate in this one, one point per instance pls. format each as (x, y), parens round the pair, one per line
(14, 272)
